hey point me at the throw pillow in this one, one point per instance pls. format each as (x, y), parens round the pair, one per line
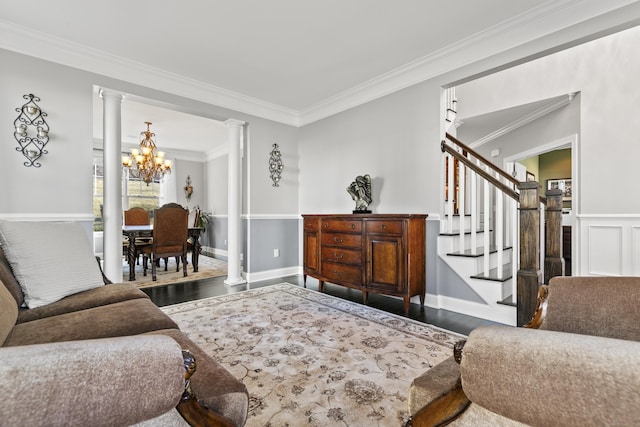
(50, 260)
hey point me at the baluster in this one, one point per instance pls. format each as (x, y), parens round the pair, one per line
(450, 193)
(473, 184)
(487, 228)
(500, 232)
(461, 197)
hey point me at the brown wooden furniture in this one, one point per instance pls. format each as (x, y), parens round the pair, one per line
(379, 253)
(137, 216)
(133, 231)
(170, 232)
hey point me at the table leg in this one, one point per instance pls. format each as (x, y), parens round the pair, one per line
(196, 252)
(131, 258)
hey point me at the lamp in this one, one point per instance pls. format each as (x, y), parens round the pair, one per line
(31, 131)
(275, 165)
(149, 165)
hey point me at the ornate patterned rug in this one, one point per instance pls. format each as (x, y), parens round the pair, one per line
(311, 359)
(207, 268)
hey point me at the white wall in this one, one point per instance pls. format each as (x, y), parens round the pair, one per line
(605, 73)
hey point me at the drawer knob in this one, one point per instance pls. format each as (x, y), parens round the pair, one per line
(353, 226)
(338, 255)
(384, 226)
(338, 273)
(335, 239)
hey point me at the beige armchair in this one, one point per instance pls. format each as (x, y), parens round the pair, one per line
(576, 363)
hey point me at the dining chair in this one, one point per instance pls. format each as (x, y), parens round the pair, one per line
(170, 231)
(137, 216)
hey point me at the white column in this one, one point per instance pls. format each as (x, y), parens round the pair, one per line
(112, 208)
(234, 273)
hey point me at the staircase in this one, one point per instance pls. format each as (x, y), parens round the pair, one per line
(493, 229)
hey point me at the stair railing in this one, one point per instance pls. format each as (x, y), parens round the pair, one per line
(463, 166)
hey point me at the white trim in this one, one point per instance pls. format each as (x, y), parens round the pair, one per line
(29, 41)
(216, 252)
(609, 245)
(524, 120)
(548, 18)
(496, 313)
(222, 150)
(47, 217)
(271, 216)
(273, 274)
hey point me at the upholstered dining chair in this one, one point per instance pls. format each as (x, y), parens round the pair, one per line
(137, 216)
(170, 231)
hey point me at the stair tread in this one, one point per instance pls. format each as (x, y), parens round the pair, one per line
(493, 274)
(457, 232)
(508, 301)
(478, 252)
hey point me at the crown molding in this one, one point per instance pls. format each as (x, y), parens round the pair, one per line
(524, 120)
(551, 16)
(28, 41)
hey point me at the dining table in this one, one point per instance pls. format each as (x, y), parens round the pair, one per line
(134, 231)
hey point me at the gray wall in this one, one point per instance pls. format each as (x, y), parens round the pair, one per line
(61, 188)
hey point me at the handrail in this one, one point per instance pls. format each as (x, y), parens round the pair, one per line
(493, 167)
(485, 161)
(504, 188)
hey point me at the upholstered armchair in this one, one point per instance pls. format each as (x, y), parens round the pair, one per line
(576, 363)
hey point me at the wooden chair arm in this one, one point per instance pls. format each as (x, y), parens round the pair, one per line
(194, 412)
(105, 279)
(541, 308)
(446, 408)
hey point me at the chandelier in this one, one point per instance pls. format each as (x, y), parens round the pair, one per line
(149, 165)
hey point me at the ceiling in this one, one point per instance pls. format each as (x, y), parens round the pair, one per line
(291, 61)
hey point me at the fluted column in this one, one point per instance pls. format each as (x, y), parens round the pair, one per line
(112, 204)
(234, 271)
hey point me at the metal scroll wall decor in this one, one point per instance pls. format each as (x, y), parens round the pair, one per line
(275, 165)
(31, 131)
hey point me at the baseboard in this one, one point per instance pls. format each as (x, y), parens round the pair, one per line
(273, 274)
(498, 313)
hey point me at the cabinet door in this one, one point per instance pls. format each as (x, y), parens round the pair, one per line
(311, 252)
(385, 269)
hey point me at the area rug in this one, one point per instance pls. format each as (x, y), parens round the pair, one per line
(208, 267)
(311, 359)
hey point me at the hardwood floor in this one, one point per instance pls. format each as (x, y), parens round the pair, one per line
(182, 292)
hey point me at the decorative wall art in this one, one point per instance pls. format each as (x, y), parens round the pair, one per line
(275, 165)
(563, 184)
(31, 131)
(188, 188)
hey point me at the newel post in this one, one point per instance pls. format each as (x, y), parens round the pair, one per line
(553, 261)
(529, 276)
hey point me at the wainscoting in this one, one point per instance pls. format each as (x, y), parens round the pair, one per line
(609, 245)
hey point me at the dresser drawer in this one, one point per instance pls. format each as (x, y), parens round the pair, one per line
(384, 227)
(347, 256)
(340, 273)
(342, 240)
(342, 225)
(311, 224)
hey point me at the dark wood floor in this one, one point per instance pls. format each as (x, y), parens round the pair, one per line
(182, 292)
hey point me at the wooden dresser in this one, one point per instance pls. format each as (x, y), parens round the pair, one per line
(383, 254)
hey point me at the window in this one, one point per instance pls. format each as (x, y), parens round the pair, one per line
(98, 195)
(139, 194)
(136, 193)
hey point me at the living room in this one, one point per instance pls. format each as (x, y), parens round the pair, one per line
(394, 136)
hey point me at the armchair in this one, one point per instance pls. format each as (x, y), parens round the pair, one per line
(576, 363)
